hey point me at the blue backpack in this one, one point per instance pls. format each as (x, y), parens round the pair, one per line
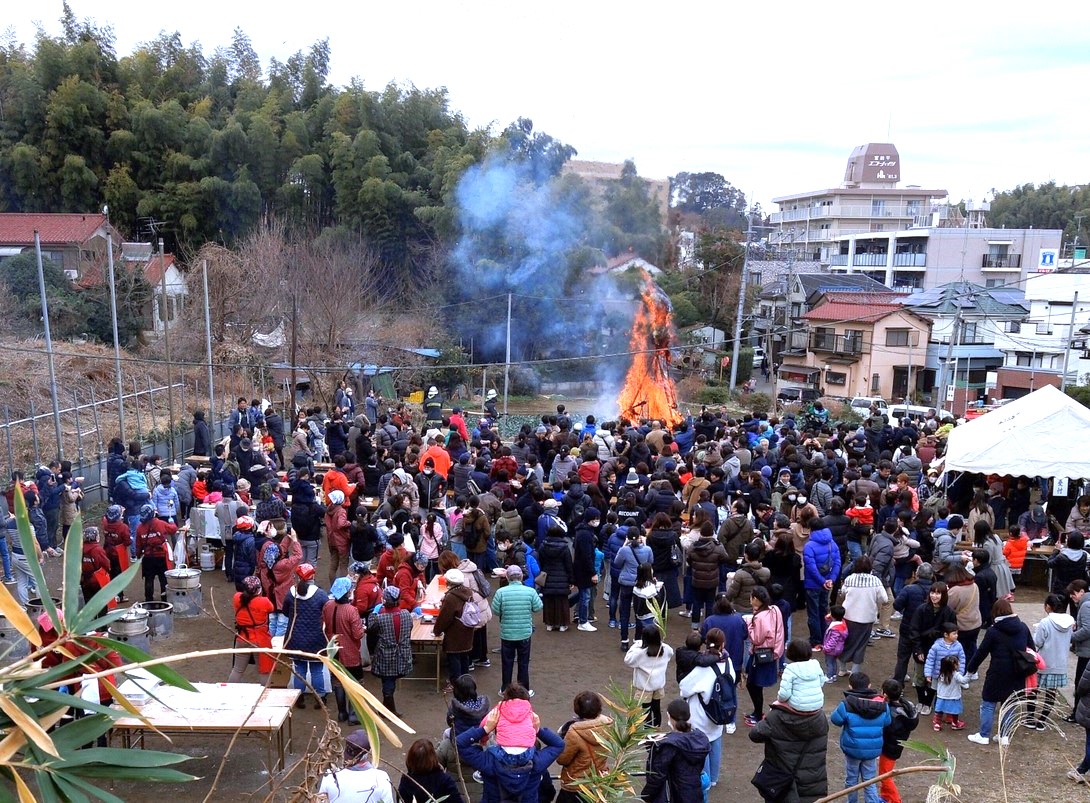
(722, 704)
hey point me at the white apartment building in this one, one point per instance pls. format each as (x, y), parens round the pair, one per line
(926, 257)
(869, 200)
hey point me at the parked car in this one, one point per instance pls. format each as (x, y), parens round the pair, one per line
(864, 403)
(758, 357)
(918, 412)
(798, 395)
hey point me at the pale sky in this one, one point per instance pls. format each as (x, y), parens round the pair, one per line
(773, 96)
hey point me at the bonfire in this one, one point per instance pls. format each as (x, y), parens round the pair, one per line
(649, 391)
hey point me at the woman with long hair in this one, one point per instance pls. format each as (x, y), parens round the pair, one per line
(303, 607)
(555, 559)
(665, 545)
(767, 636)
(696, 687)
(964, 598)
(985, 538)
(430, 544)
(649, 659)
(924, 629)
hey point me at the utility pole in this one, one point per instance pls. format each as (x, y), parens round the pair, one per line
(1070, 337)
(117, 342)
(741, 304)
(208, 347)
(294, 347)
(48, 346)
(166, 345)
(507, 364)
(949, 357)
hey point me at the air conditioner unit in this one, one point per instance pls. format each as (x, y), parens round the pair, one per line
(71, 275)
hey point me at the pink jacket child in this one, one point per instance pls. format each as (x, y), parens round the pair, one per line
(766, 630)
(515, 725)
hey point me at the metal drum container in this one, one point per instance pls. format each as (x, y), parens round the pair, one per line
(182, 578)
(187, 602)
(133, 623)
(12, 644)
(160, 618)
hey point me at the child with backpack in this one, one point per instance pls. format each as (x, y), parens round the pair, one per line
(836, 635)
(802, 679)
(649, 659)
(713, 702)
(903, 720)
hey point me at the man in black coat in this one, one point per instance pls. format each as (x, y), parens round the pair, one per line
(274, 425)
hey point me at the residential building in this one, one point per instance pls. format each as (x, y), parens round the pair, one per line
(162, 314)
(1037, 349)
(864, 344)
(966, 321)
(76, 242)
(870, 199)
(925, 257)
(778, 323)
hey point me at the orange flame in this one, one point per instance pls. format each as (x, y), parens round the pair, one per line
(648, 391)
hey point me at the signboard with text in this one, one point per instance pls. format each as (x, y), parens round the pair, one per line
(1048, 260)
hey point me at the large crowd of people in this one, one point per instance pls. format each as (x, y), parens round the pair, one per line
(734, 523)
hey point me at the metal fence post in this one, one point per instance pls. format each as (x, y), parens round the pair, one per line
(151, 399)
(34, 433)
(139, 424)
(98, 426)
(7, 433)
(79, 428)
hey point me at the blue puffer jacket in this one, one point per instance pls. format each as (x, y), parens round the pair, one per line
(616, 540)
(862, 715)
(305, 619)
(507, 777)
(939, 650)
(628, 560)
(820, 551)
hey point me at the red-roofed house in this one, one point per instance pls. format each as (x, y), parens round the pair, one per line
(144, 255)
(76, 242)
(866, 344)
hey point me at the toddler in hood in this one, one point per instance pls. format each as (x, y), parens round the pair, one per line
(803, 677)
(515, 724)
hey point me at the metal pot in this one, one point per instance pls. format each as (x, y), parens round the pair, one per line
(34, 607)
(133, 623)
(183, 577)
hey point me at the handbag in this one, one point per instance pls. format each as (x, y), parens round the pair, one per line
(762, 656)
(539, 581)
(773, 782)
(675, 554)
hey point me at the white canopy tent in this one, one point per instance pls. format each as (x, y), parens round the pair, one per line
(1040, 435)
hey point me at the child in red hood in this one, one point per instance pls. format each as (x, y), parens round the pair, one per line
(515, 723)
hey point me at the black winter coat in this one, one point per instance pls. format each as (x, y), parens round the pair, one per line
(274, 424)
(673, 768)
(926, 625)
(839, 525)
(202, 439)
(905, 718)
(554, 558)
(660, 542)
(796, 742)
(1002, 639)
(912, 596)
(583, 556)
(705, 555)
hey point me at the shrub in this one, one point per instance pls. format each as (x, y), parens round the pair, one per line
(757, 402)
(712, 395)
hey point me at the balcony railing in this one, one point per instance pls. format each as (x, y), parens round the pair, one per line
(910, 260)
(850, 210)
(840, 260)
(1001, 261)
(870, 260)
(845, 345)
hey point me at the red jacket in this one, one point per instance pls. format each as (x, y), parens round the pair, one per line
(79, 649)
(337, 528)
(344, 621)
(405, 578)
(367, 595)
(115, 534)
(337, 480)
(153, 538)
(459, 423)
(385, 570)
(277, 580)
(94, 558)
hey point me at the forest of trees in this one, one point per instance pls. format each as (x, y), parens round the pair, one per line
(209, 145)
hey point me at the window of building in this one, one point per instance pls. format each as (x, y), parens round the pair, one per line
(875, 383)
(993, 282)
(998, 249)
(853, 340)
(969, 332)
(877, 207)
(897, 337)
(912, 208)
(835, 378)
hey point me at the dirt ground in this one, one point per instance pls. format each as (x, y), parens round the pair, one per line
(563, 664)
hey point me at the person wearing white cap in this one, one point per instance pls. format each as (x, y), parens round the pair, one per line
(457, 637)
(433, 408)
